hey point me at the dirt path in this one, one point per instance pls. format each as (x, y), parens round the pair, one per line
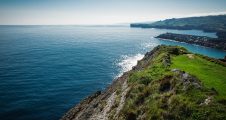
(125, 90)
(103, 115)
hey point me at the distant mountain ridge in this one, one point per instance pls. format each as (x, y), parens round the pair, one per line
(215, 23)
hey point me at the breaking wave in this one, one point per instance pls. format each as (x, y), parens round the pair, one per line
(128, 62)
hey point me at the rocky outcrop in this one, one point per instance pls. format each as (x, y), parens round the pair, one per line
(99, 105)
(107, 104)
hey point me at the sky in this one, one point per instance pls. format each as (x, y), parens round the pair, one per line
(102, 12)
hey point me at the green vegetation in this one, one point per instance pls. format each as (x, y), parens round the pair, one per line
(194, 90)
(211, 74)
(193, 39)
(206, 23)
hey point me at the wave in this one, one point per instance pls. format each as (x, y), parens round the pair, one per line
(127, 62)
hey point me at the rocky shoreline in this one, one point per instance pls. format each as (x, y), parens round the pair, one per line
(154, 90)
(100, 104)
(198, 40)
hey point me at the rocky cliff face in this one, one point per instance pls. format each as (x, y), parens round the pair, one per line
(151, 90)
(101, 104)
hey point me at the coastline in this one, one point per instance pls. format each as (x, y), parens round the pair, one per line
(92, 107)
(112, 103)
(195, 40)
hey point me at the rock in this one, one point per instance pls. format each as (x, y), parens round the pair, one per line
(175, 70)
(185, 76)
(187, 79)
(191, 56)
(207, 101)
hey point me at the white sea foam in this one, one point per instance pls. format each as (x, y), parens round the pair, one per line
(127, 62)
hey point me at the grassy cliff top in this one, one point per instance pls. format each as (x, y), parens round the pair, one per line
(168, 83)
(212, 75)
(176, 84)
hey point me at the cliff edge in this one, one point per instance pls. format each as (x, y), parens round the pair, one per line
(168, 83)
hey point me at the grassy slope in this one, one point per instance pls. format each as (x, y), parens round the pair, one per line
(211, 74)
(159, 93)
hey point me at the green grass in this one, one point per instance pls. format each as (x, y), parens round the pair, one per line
(211, 74)
(148, 100)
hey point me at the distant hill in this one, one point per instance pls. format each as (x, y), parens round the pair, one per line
(206, 23)
(193, 39)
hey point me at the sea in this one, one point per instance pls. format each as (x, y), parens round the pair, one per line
(46, 70)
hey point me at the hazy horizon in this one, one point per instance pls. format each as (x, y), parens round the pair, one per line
(102, 12)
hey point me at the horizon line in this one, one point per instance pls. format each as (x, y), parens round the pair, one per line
(122, 24)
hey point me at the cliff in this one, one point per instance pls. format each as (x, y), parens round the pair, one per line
(168, 83)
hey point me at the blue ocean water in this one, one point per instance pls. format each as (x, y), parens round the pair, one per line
(46, 70)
